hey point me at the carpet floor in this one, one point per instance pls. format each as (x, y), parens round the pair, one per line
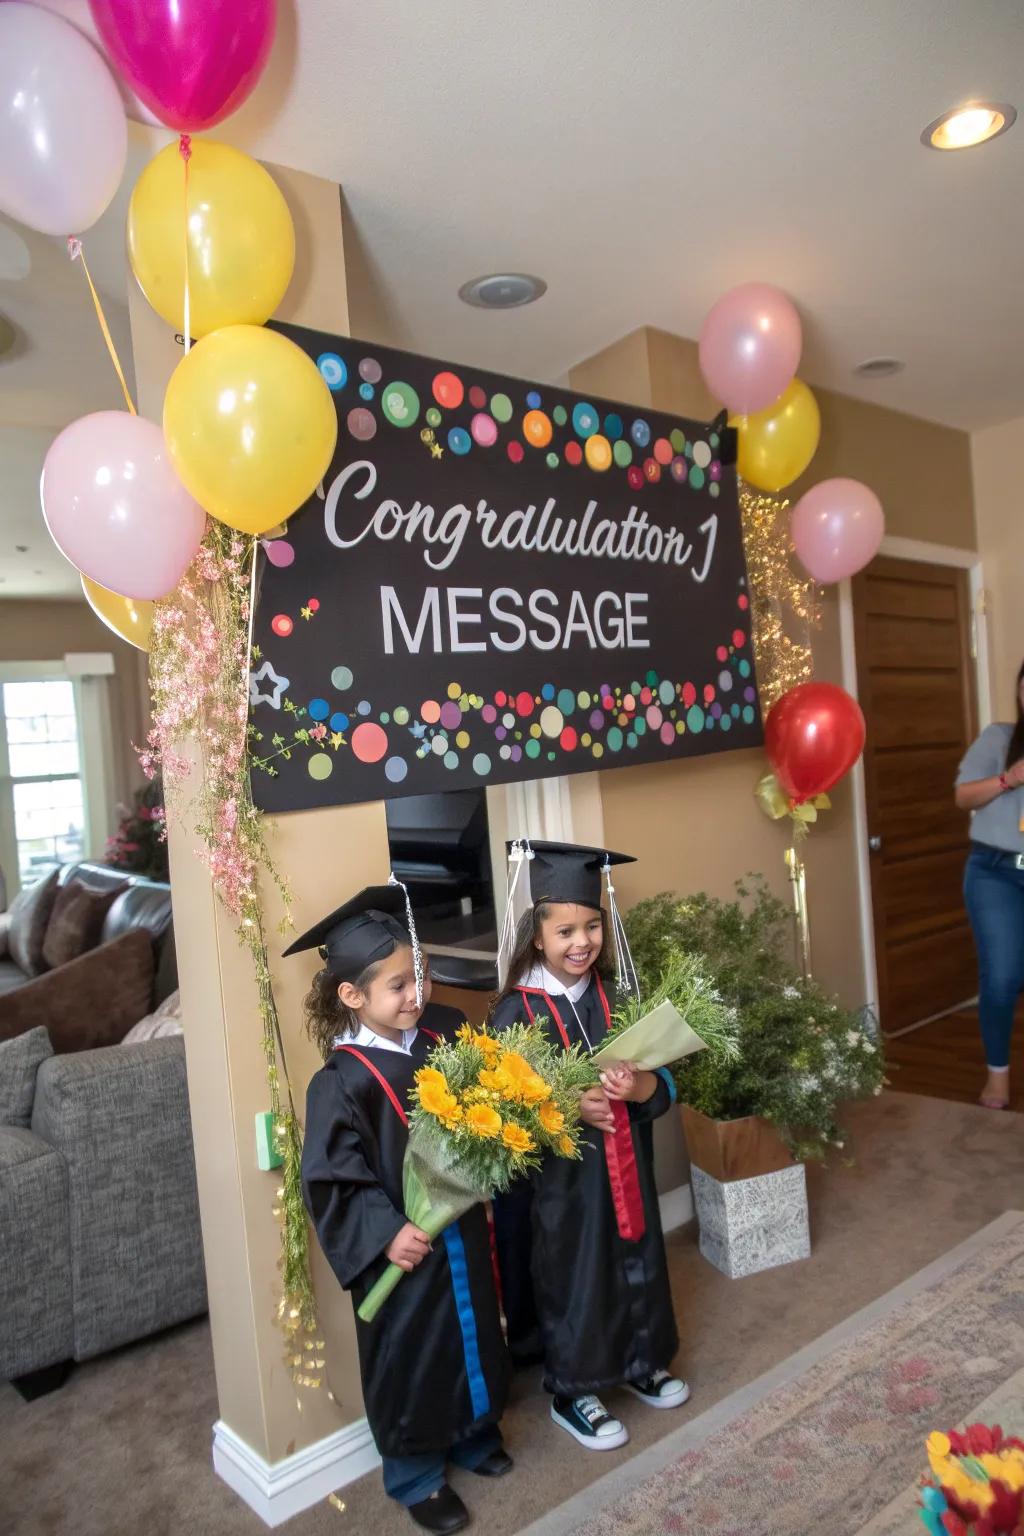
(838, 1430)
(124, 1448)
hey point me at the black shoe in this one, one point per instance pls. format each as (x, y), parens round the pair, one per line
(442, 1513)
(495, 1465)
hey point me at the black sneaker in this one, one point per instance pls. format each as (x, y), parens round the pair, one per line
(661, 1390)
(588, 1421)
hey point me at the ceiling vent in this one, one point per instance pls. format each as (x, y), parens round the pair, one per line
(879, 368)
(502, 290)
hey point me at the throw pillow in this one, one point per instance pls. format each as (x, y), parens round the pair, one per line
(20, 1060)
(165, 1020)
(30, 916)
(89, 1002)
(76, 921)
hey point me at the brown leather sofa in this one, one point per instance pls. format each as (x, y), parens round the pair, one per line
(145, 904)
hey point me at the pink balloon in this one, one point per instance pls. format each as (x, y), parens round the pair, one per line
(193, 62)
(837, 528)
(279, 552)
(750, 347)
(115, 507)
(62, 124)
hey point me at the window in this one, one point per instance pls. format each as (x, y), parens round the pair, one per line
(42, 809)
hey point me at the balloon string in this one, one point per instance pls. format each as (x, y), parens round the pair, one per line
(185, 151)
(76, 253)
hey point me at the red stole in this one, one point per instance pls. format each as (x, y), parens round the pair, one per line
(620, 1153)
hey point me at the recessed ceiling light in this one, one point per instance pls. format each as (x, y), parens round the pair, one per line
(974, 123)
(879, 367)
(502, 290)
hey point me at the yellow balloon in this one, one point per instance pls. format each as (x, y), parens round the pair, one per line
(240, 237)
(777, 444)
(250, 425)
(129, 617)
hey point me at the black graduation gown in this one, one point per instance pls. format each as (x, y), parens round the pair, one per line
(433, 1362)
(604, 1304)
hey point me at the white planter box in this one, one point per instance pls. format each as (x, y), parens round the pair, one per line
(748, 1225)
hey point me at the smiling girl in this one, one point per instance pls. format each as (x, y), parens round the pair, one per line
(602, 1300)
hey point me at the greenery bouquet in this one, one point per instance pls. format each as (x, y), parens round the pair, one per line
(678, 1014)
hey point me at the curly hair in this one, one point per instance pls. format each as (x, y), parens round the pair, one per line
(526, 951)
(326, 1016)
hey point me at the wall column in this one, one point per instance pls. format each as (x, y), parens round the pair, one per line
(324, 855)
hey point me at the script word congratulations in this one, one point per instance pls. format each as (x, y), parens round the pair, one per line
(443, 534)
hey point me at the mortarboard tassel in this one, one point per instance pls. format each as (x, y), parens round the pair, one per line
(417, 953)
(625, 970)
(519, 854)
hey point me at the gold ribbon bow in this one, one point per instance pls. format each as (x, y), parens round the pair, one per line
(776, 803)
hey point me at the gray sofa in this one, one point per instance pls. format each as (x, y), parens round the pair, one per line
(99, 1217)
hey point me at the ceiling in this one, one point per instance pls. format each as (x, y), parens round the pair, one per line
(640, 159)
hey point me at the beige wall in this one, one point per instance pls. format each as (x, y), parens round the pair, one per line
(35, 630)
(998, 457)
(325, 855)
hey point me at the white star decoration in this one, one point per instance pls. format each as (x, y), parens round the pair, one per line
(257, 695)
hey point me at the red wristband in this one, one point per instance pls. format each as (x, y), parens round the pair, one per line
(1004, 782)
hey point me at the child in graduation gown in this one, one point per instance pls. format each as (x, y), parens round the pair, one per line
(601, 1298)
(433, 1363)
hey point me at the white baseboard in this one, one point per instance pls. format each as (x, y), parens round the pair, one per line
(676, 1206)
(278, 1490)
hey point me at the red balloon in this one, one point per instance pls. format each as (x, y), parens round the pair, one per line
(193, 62)
(813, 735)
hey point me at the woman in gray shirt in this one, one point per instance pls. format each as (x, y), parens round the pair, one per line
(990, 784)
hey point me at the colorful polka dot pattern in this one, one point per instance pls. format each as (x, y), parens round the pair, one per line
(600, 723)
(518, 427)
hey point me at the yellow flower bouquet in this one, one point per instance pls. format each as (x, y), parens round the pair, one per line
(487, 1108)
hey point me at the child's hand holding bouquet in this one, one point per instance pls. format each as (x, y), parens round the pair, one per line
(487, 1106)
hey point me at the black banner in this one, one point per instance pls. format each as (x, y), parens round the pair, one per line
(496, 581)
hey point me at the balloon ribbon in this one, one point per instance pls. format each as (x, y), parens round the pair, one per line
(185, 151)
(76, 253)
(798, 880)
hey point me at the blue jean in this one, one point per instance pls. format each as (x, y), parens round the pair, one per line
(994, 894)
(410, 1479)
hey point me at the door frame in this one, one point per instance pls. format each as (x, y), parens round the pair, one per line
(896, 548)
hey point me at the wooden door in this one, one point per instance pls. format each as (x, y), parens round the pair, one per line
(915, 679)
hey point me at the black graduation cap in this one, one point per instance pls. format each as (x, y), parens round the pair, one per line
(365, 929)
(567, 872)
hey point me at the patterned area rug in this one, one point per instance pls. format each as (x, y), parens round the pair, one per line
(835, 1434)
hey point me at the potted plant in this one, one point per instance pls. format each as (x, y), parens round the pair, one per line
(139, 846)
(753, 1121)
